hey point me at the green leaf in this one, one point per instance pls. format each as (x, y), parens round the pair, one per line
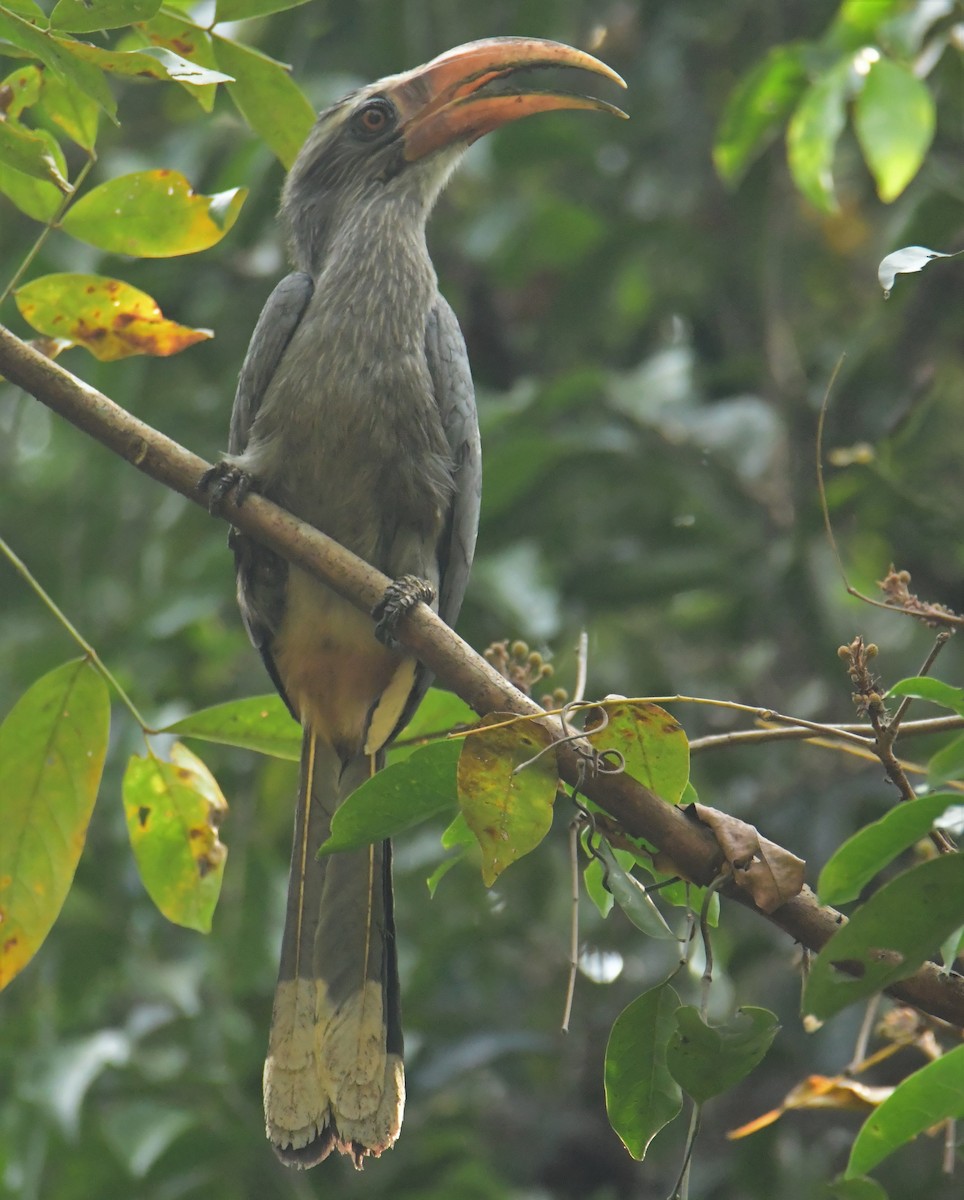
(29, 152)
(708, 1059)
(457, 836)
(174, 810)
(858, 22)
(631, 896)
(947, 763)
(60, 56)
(507, 805)
(52, 749)
(439, 713)
(190, 42)
(260, 723)
(852, 866)
(652, 743)
(925, 688)
(894, 119)
(929, 1096)
(756, 108)
(396, 798)
(596, 890)
(29, 10)
(152, 214)
(888, 937)
(152, 62)
(70, 110)
(267, 97)
(86, 16)
(21, 89)
(32, 196)
(242, 10)
(813, 132)
(107, 316)
(641, 1095)
(858, 1188)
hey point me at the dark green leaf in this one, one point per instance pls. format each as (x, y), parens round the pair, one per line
(894, 118)
(60, 55)
(925, 688)
(631, 896)
(396, 798)
(812, 135)
(267, 97)
(641, 1095)
(756, 109)
(52, 749)
(260, 723)
(861, 857)
(929, 1096)
(888, 937)
(86, 16)
(174, 810)
(708, 1059)
(947, 763)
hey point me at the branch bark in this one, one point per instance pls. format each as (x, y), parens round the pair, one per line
(690, 845)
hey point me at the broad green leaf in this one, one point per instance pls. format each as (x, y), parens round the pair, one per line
(28, 9)
(86, 16)
(708, 1059)
(396, 798)
(153, 62)
(858, 1188)
(755, 110)
(631, 896)
(174, 810)
(266, 96)
(70, 110)
(852, 866)
(52, 749)
(107, 316)
(152, 214)
(858, 22)
(652, 744)
(260, 723)
(242, 10)
(894, 118)
(947, 763)
(439, 713)
(812, 135)
(23, 150)
(889, 937)
(641, 1095)
(59, 56)
(925, 688)
(21, 89)
(35, 197)
(190, 42)
(506, 793)
(922, 1100)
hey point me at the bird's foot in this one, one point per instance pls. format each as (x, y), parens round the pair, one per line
(224, 479)
(401, 596)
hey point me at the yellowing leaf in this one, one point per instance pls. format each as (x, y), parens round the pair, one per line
(152, 214)
(110, 318)
(173, 813)
(652, 744)
(508, 809)
(52, 749)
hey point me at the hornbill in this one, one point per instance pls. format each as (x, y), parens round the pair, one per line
(355, 411)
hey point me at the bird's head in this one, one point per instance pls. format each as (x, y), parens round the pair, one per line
(397, 140)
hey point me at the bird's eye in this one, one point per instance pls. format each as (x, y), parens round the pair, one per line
(374, 118)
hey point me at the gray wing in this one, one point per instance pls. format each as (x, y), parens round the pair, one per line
(448, 364)
(262, 574)
(279, 319)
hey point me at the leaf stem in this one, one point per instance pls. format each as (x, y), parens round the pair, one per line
(24, 571)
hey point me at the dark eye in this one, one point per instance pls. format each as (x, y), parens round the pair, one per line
(376, 117)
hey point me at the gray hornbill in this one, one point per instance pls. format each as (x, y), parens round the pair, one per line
(355, 411)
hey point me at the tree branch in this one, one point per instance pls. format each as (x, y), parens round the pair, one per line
(642, 814)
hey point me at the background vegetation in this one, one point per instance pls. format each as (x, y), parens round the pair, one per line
(651, 348)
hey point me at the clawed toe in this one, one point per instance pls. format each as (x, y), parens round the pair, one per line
(224, 479)
(401, 596)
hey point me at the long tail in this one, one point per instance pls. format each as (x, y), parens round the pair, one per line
(333, 1078)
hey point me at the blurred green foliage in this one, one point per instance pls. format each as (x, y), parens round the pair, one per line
(651, 349)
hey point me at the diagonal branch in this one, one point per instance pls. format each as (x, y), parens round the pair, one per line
(642, 814)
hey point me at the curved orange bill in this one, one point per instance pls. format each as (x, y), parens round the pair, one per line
(442, 102)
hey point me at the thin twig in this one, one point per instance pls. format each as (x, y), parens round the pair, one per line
(939, 643)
